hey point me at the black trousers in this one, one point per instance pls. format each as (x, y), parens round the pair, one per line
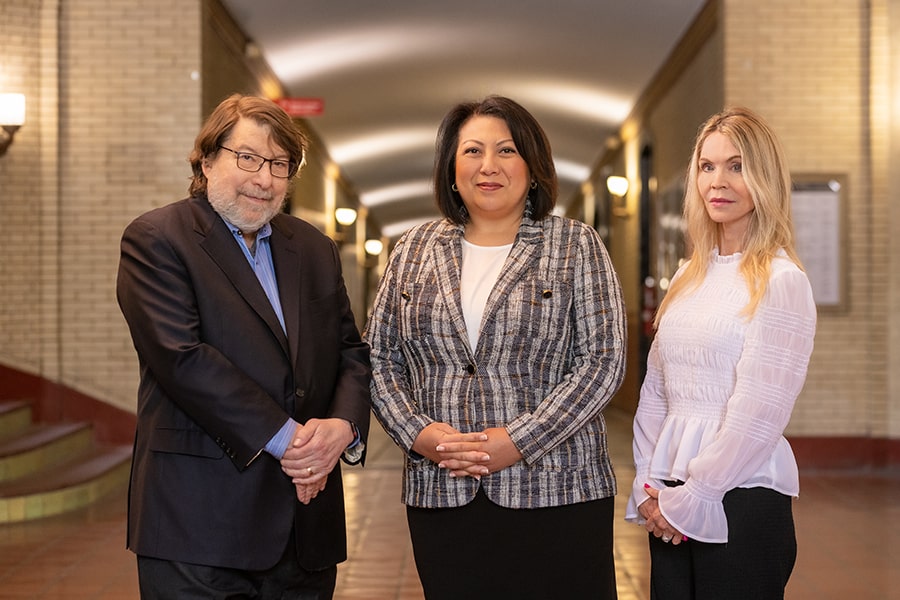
(755, 564)
(287, 580)
(482, 551)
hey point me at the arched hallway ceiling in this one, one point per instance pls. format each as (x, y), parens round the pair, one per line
(388, 72)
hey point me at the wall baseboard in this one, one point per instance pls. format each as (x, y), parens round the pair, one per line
(846, 452)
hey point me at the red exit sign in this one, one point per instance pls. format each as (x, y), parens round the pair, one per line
(302, 107)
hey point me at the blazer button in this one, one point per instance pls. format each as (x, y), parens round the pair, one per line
(470, 369)
(299, 393)
(547, 293)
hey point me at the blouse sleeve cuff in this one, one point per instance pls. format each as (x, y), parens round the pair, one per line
(632, 514)
(639, 494)
(696, 511)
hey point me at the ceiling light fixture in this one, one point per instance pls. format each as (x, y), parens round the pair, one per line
(393, 193)
(382, 143)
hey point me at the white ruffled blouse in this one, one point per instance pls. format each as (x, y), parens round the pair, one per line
(718, 395)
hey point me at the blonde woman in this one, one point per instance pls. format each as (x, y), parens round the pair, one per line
(715, 475)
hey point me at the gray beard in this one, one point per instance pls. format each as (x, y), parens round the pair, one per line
(246, 219)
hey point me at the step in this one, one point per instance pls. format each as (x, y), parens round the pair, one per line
(66, 487)
(15, 416)
(40, 446)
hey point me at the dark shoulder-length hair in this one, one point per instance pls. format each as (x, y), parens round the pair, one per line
(531, 143)
(218, 127)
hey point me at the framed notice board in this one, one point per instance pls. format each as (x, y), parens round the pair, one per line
(817, 205)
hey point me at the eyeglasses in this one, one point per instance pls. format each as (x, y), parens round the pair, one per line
(247, 161)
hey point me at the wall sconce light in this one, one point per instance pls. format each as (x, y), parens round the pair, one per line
(345, 216)
(374, 247)
(12, 116)
(618, 187)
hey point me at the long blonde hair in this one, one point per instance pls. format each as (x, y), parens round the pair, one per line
(768, 179)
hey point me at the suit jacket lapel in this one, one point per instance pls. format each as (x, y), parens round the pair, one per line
(217, 241)
(286, 260)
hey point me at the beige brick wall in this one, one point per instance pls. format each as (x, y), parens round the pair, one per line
(885, 126)
(693, 97)
(129, 107)
(23, 189)
(889, 20)
(119, 110)
(806, 66)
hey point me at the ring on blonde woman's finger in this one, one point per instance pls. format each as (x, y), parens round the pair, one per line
(667, 538)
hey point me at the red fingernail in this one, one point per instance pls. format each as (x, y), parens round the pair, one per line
(684, 538)
(647, 485)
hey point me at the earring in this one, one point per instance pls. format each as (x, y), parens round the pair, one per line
(533, 184)
(454, 188)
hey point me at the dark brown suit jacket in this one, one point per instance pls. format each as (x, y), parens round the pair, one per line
(218, 378)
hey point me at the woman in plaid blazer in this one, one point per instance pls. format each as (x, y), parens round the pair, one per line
(498, 337)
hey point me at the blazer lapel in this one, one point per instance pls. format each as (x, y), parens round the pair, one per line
(518, 264)
(219, 243)
(448, 258)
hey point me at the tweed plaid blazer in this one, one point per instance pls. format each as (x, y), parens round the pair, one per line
(550, 356)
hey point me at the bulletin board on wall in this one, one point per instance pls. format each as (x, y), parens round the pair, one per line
(817, 206)
(668, 232)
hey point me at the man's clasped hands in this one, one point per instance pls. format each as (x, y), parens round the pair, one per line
(313, 453)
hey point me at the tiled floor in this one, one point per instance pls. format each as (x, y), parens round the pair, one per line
(848, 528)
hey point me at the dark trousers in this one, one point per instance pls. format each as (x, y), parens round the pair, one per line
(755, 563)
(482, 551)
(287, 580)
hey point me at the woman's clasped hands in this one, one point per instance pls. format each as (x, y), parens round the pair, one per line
(656, 523)
(467, 454)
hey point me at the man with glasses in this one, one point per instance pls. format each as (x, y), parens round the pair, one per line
(253, 379)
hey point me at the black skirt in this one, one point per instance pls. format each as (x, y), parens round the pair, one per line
(485, 551)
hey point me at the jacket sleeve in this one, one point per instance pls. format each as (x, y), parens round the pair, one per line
(392, 399)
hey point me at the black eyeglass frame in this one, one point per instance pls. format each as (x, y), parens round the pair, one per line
(292, 166)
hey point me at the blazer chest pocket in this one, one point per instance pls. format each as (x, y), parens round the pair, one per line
(535, 308)
(423, 312)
